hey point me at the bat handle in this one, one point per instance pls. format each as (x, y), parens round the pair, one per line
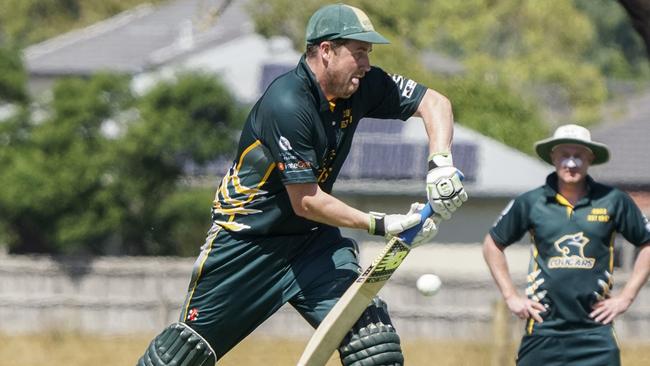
(408, 235)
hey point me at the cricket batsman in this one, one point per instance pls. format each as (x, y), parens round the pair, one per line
(275, 236)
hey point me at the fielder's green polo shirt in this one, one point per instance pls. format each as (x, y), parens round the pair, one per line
(573, 253)
(295, 135)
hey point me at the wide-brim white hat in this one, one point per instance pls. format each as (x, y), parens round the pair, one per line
(572, 134)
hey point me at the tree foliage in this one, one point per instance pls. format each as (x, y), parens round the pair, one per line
(52, 17)
(524, 48)
(12, 77)
(96, 170)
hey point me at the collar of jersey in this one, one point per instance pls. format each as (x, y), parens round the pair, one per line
(550, 188)
(304, 70)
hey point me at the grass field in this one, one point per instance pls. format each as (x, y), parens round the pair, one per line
(54, 349)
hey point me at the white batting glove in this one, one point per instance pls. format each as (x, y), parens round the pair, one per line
(390, 225)
(444, 187)
(429, 228)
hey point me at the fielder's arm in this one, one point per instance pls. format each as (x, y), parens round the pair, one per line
(520, 305)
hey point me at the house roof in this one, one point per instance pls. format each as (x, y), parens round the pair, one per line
(140, 39)
(393, 162)
(154, 41)
(628, 137)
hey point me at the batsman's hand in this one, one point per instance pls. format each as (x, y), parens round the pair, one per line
(390, 225)
(444, 187)
(429, 228)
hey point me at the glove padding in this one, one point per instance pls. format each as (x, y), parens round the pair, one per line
(445, 190)
(391, 225)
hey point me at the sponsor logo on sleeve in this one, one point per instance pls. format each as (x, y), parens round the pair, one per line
(406, 86)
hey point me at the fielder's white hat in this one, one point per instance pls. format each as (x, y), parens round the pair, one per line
(572, 134)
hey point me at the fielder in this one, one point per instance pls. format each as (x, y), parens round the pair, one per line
(572, 221)
(275, 237)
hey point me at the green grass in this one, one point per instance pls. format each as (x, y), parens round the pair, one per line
(62, 349)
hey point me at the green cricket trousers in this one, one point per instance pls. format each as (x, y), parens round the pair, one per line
(238, 282)
(588, 347)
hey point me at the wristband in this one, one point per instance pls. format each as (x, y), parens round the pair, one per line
(376, 225)
(439, 159)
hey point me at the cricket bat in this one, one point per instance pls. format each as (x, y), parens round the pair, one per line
(358, 296)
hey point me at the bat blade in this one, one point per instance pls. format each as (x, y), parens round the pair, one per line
(351, 305)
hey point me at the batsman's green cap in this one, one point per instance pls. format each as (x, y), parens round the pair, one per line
(340, 21)
(572, 134)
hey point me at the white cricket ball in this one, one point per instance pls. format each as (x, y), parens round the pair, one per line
(428, 284)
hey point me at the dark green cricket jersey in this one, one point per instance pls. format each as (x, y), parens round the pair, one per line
(572, 258)
(294, 134)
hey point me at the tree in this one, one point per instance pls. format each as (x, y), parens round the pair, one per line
(12, 77)
(53, 17)
(639, 12)
(101, 172)
(192, 119)
(480, 102)
(54, 197)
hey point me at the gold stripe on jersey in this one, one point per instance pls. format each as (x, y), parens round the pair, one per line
(564, 202)
(611, 254)
(535, 253)
(237, 206)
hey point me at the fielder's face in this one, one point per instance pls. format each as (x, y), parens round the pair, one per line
(571, 162)
(345, 67)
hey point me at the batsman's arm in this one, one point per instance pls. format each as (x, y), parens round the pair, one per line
(436, 112)
(310, 202)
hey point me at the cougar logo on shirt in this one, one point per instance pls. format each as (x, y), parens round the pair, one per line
(284, 143)
(647, 223)
(572, 250)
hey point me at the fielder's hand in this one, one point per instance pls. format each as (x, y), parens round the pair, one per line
(444, 187)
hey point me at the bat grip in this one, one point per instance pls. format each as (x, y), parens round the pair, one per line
(408, 235)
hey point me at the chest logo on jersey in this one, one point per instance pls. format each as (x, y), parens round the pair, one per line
(598, 215)
(572, 250)
(347, 118)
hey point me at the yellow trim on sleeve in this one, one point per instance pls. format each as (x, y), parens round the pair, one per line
(535, 253)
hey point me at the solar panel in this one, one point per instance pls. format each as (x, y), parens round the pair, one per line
(393, 159)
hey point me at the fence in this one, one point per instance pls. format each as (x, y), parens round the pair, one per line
(122, 295)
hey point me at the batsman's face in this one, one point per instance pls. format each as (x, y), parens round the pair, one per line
(346, 66)
(571, 162)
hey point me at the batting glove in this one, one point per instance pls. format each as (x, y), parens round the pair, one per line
(444, 187)
(390, 225)
(429, 227)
